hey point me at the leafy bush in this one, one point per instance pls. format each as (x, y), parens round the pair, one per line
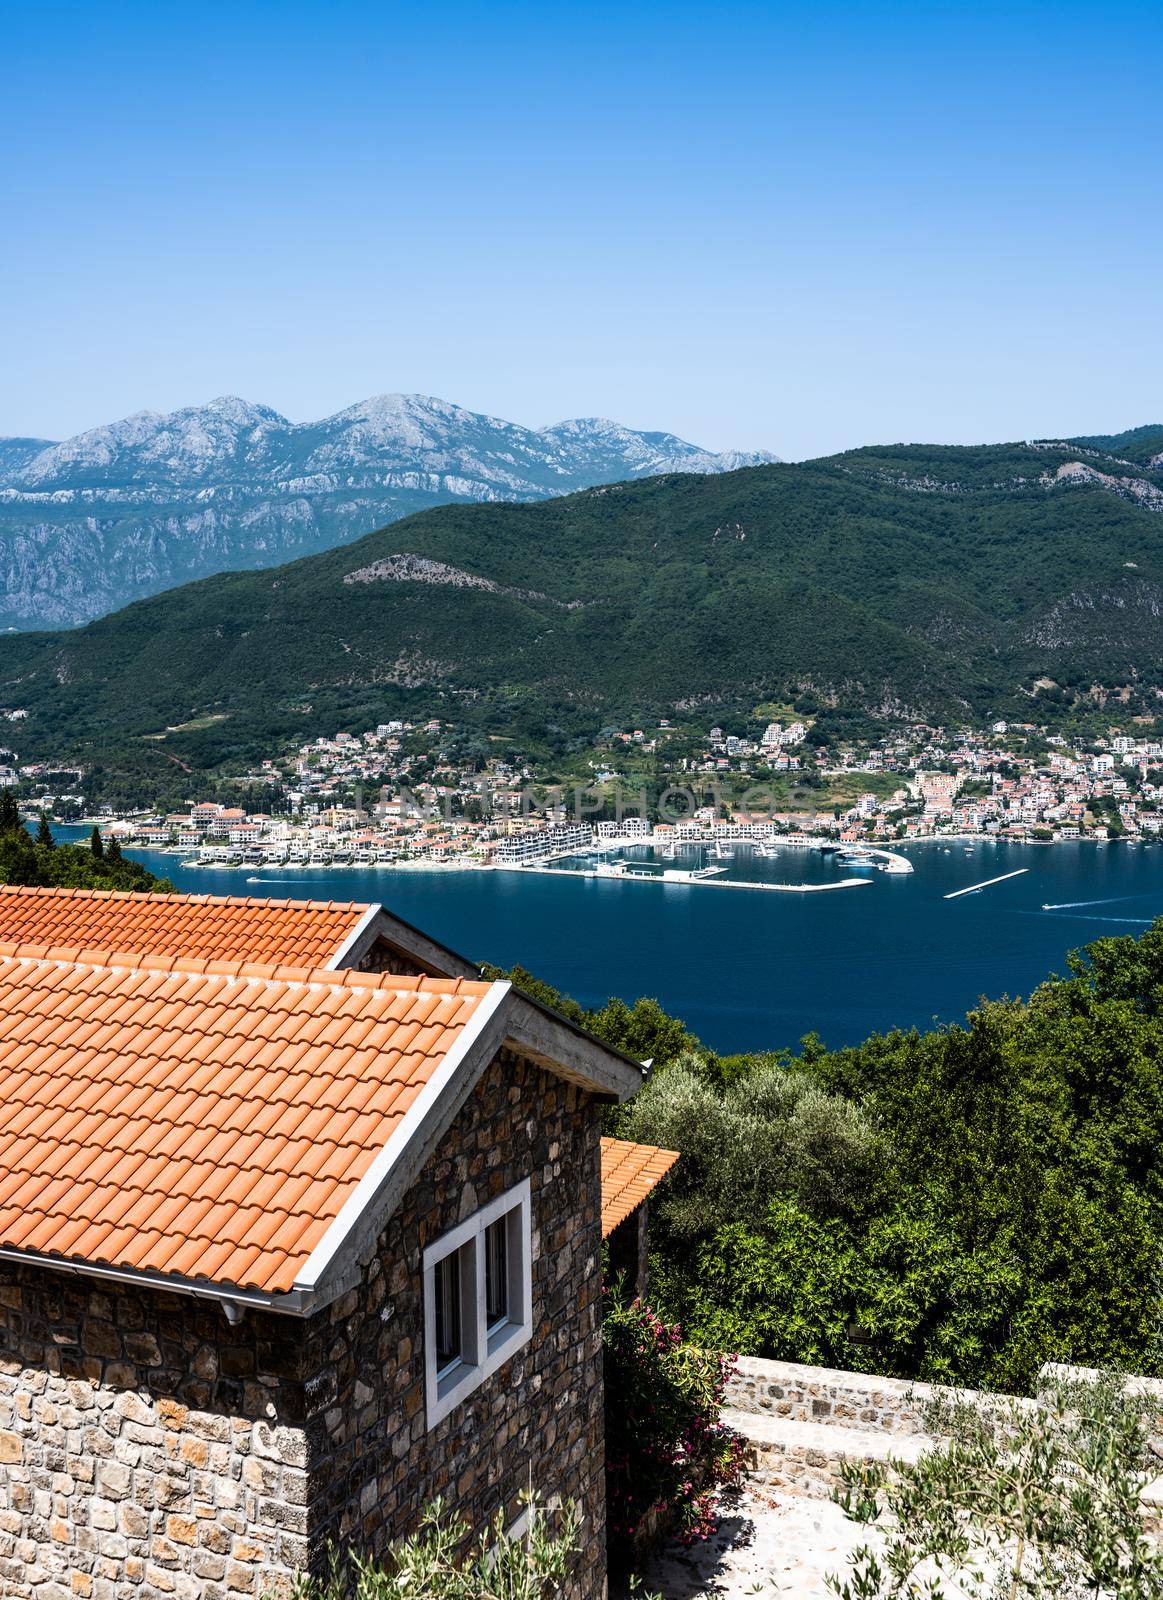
(667, 1452)
(1037, 1500)
(434, 1563)
(643, 1030)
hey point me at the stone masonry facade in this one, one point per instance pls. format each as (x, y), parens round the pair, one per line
(148, 1449)
(538, 1421)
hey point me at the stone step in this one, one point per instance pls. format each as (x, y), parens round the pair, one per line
(805, 1457)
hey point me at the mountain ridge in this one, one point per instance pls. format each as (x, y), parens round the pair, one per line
(152, 500)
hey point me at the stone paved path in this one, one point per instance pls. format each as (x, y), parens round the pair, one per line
(769, 1544)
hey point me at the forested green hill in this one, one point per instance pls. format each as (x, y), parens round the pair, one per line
(1143, 446)
(941, 581)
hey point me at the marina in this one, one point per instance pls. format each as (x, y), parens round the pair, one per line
(713, 877)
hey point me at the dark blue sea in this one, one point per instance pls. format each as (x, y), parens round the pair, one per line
(749, 969)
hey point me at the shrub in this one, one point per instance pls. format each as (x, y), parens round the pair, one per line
(667, 1452)
(1035, 1500)
(434, 1564)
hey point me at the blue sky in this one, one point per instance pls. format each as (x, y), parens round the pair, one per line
(799, 227)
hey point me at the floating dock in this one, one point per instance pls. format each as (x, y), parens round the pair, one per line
(673, 875)
(972, 888)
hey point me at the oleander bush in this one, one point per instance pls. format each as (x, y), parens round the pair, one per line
(667, 1451)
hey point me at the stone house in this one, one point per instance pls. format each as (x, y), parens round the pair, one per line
(300, 1227)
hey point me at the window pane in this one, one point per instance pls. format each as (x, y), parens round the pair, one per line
(447, 1276)
(497, 1272)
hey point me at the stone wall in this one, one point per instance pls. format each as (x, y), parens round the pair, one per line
(383, 957)
(538, 1421)
(147, 1449)
(867, 1401)
(824, 1394)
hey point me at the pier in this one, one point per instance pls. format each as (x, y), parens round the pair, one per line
(886, 860)
(711, 877)
(972, 888)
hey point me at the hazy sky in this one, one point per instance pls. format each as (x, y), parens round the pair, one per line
(801, 227)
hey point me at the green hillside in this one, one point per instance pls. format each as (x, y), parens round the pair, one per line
(1140, 445)
(902, 579)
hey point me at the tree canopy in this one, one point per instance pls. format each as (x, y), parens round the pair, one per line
(960, 1205)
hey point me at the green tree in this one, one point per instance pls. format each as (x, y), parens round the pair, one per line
(96, 845)
(962, 1205)
(44, 834)
(642, 1030)
(44, 863)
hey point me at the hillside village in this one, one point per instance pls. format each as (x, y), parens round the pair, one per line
(425, 793)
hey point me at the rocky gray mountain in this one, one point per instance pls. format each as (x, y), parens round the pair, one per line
(152, 501)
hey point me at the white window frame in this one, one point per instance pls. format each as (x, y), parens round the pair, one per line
(482, 1352)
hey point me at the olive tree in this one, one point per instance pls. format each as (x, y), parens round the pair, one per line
(438, 1562)
(1021, 1500)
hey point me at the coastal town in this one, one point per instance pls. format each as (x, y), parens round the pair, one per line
(430, 794)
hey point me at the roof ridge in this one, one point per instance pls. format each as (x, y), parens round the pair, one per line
(53, 891)
(284, 976)
(611, 1142)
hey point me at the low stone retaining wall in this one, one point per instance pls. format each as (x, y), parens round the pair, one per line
(802, 1423)
(857, 1400)
(807, 1458)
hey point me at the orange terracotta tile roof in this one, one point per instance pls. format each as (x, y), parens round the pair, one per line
(291, 932)
(629, 1172)
(202, 1118)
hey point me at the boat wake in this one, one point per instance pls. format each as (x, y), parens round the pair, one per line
(1072, 905)
(282, 880)
(1079, 916)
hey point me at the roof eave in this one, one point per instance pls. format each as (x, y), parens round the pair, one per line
(570, 1051)
(432, 957)
(291, 1302)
